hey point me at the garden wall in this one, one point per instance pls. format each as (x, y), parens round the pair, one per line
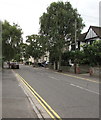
(95, 71)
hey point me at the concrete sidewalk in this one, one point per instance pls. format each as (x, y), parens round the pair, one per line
(15, 103)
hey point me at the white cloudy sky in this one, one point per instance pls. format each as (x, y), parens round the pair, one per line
(27, 12)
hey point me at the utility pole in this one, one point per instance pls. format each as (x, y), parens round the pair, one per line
(75, 32)
(75, 45)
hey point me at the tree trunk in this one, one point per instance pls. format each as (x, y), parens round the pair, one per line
(75, 66)
(59, 62)
(36, 62)
(54, 66)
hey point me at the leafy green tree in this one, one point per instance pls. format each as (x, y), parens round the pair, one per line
(58, 26)
(78, 56)
(93, 53)
(23, 51)
(66, 56)
(6, 47)
(35, 48)
(11, 40)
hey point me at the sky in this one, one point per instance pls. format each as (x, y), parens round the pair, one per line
(26, 13)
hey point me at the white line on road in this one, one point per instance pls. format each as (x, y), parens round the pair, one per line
(84, 88)
(75, 86)
(53, 78)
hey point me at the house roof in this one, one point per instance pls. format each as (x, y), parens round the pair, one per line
(96, 29)
(82, 37)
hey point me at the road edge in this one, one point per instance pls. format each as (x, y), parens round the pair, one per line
(39, 110)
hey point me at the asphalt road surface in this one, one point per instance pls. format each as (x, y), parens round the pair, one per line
(69, 96)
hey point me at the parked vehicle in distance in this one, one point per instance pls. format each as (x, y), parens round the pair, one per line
(43, 64)
(28, 63)
(14, 65)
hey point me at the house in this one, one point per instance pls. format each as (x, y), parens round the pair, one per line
(93, 33)
(44, 57)
(41, 59)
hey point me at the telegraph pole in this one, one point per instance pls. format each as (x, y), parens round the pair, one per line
(75, 32)
(75, 45)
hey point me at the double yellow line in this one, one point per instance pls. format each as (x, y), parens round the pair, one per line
(48, 109)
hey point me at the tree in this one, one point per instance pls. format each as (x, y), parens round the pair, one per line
(66, 56)
(35, 48)
(58, 24)
(11, 40)
(23, 51)
(93, 53)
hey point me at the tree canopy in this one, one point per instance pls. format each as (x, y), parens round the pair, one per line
(57, 25)
(11, 40)
(35, 46)
(93, 53)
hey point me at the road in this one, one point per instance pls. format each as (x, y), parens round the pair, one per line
(69, 96)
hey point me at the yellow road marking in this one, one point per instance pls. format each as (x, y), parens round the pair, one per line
(79, 77)
(31, 89)
(38, 100)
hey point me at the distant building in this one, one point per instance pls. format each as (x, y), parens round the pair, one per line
(31, 59)
(44, 57)
(41, 59)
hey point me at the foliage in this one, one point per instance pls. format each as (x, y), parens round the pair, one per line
(23, 51)
(17, 57)
(54, 54)
(93, 53)
(11, 39)
(35, 48)
(66, 56)
(78, 56)
(57, 25)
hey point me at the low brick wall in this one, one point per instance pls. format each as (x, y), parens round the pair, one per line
(71, 69)
(84, 69)
(65, 68)
(51, 66)
(79, 70)
(95, 71)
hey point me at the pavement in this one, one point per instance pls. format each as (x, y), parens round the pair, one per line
(15, 103)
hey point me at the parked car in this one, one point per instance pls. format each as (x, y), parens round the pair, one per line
(14, 65)
(43, 64)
